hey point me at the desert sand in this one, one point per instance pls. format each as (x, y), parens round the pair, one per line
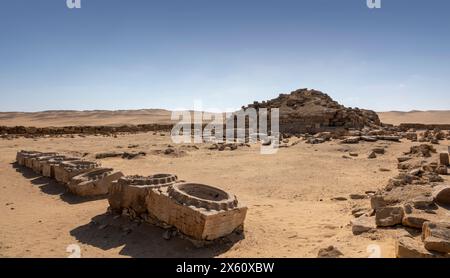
(289, 215)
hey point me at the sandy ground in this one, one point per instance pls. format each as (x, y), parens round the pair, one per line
(148, 116)
(288, 194)
(420, 117)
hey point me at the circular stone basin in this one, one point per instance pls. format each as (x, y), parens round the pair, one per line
(156, 180)
(202, 196)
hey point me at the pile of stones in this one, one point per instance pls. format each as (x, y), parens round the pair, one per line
(417, 200)
(312, 111)
(81, 177)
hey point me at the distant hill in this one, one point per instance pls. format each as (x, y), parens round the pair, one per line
(59, 118)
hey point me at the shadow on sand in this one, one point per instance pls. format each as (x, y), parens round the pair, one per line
(51, 187)
(107, 231)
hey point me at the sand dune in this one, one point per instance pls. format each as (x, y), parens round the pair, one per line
(420, 117)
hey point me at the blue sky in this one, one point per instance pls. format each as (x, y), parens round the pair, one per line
(132, 54)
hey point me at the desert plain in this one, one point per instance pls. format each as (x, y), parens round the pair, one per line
(299, 199)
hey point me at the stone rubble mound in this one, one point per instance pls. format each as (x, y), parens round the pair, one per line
(418, 199)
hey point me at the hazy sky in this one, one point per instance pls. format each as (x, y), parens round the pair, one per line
(131, 54)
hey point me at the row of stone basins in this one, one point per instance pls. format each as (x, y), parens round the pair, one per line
(198, 211)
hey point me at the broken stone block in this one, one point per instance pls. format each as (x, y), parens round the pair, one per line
(415, 220)
(93, 183)
(408, 247)
(444, 159)
(441, 194)
(130, 192)
(199, 211)
(436, 236)
(389, 216)
(351, 140)
(363, 224)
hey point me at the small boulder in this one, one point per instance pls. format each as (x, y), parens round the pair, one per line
(441, 195)
(329, 252)
(372, 155)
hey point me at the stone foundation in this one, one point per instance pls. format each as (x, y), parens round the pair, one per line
(38, 162)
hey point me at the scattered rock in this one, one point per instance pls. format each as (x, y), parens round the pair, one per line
(358, 196)
(403, 158)
(441, 195)
(353, 154)
(378, 150)
(422, 202)
(351, 140)
(371, 155)
(339, 199)
(389, 216)
(436, 236)
(444, 159)
(407, 247)
(363, 224)
(329, 252)
(415, 220)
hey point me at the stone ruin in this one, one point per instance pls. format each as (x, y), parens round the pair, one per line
(48, 166)
(129, 192)
(93, 183)
(200, 212)
(82, 177)
(311, 111)
(66, 170)
(416, 200)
